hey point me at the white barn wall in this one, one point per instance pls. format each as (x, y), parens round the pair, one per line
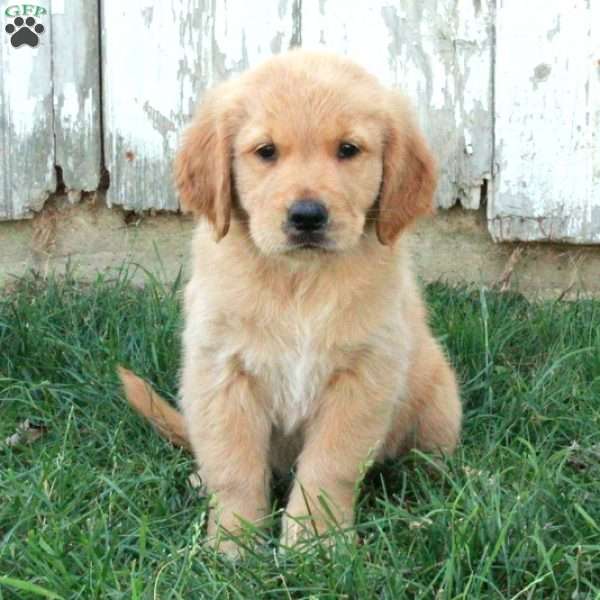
(50, 109)
(27, 175)
(547, 122)
(439, 52)
(494, 83)
(76, 93)
(153, 80)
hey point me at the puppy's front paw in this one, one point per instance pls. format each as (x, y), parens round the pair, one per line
(299, 530)
(295, 529)
(231, 531)
(226, 546)
(314, 514)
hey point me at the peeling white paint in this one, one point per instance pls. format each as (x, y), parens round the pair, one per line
(430, 49)
(547, 118)
(49, 110)
(27, 174)
(154, 79)
(76, 89)
(70, 100)
(468, 142)
(159, 57)
(247, 32)
(150, 79)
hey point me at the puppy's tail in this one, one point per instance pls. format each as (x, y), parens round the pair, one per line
(163, 417)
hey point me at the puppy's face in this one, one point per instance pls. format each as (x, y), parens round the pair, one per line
(308, 168)
(317, 153)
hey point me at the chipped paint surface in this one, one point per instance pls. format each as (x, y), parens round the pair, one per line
(524, 97)
(149, 80)
(547, 82)
(49, 109)
(76, 77)
(439, 52)
(27, 175)
(154, 79)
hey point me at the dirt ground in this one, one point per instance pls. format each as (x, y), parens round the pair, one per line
(453, 247)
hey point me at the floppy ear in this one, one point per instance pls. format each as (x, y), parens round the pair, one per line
(203, 163)
(409, 174)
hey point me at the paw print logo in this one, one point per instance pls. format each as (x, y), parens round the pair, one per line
(24, 31)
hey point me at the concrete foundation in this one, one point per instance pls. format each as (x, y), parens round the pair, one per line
(453, 247)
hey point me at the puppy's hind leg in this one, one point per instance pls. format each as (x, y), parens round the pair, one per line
(430, 420)
(439, 412)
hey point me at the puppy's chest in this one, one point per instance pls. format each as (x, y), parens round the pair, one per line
(292, 369)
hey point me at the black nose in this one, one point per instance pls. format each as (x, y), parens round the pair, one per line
(307, 215)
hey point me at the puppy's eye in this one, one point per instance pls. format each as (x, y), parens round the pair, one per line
(347, 150)
(268, 152)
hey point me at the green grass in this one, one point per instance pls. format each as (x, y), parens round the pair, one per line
(100, 506)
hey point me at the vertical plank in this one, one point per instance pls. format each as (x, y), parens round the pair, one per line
(76, 74)
(439, 52)
(27, 175)
(245, 33)
(152, 64)
(547, 100)
(474, 121)
(153, 79)
(593, 218)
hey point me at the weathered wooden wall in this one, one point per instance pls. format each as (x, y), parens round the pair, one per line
(152, 80)
(76, 92)
(50, 109)
(507, 92)
(444, 65)
(440, 53)
(547, 121)
(27, 175)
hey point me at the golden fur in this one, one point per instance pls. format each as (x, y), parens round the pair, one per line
(315, 357)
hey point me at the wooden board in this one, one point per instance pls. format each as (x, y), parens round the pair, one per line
(158, 57)
(547, 131)
(49, 108)
(526, 100)
(439, 52)
(76, 74)
(27, 175)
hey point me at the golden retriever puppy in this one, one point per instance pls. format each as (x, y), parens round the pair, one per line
(306, 341)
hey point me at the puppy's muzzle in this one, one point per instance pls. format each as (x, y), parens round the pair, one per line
(307, 221)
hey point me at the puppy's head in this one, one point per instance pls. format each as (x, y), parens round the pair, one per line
(317, 155)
